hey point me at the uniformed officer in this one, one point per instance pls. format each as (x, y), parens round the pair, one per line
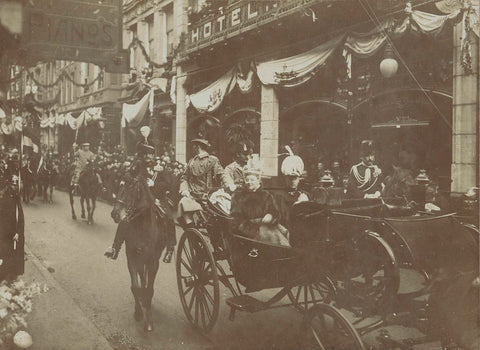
(202, 173)
(364, 178)
(234, 176)
(82, 157)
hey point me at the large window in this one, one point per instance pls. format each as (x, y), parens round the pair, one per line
(169, 28)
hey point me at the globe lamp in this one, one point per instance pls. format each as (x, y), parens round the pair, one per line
(389, 65)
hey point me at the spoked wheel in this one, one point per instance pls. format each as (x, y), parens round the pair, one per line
(197, 280)
(307, 295)
(330, 330)
(371, 280)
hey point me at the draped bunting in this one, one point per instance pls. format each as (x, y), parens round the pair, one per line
(16, 125)
(210, 98)
(295, 70)
(60, 119)
(133, 114)
(75, 123)
(245, 84)
(430, 24)
(298, 69)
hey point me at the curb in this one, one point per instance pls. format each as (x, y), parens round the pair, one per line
(54, 284)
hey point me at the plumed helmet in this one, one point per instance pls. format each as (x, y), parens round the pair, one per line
(366, 148)
(292, 165)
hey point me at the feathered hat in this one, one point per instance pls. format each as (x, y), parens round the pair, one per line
(292, 165)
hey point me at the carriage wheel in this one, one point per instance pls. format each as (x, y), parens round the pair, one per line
(197, 280)
(330, 330)
(371, 289)
(305, 296)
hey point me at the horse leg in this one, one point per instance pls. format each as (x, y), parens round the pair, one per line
(82, 204)
(94, 201)
(89, 217)
(135, 287)
(151, 273)
(74, 217)
(50, 200)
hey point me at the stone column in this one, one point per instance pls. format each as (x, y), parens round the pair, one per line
(181, 120)
(269, 131)
(465, 156)
(158, 19)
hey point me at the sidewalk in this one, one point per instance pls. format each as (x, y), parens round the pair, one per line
(56, 322)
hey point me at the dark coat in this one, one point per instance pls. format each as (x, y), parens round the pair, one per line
(11, 222)
(248, 205)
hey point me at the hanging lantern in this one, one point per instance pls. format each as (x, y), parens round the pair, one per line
(389, 65)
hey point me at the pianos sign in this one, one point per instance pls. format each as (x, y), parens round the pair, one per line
(75, 30)
(243, 16)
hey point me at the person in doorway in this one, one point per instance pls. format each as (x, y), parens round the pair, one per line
(364, 179)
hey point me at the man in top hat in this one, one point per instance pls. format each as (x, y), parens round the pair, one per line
(82, 157)
(364, 178)
(202, 173)
(234, 176)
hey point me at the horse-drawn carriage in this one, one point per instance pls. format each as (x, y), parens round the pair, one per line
(351, 257)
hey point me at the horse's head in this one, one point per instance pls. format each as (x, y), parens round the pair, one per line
(130, 201)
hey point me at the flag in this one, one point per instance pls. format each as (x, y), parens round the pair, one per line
(30, 140)
(133, 114)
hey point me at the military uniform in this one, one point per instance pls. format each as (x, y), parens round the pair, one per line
(234, 175)
(201, 175)
(364, 181)
(81, 159)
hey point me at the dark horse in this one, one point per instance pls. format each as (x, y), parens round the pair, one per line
(46, 179)
(144, 232)
(89, 184)
(28, 179)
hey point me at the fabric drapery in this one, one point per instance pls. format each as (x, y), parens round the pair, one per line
(133, 114)
(429, 23)
(210, 98)
(75, 123)
(298, 69)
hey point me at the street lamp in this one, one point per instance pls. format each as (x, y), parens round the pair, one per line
(389, 65)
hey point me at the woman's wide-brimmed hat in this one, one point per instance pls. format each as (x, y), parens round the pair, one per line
(202, 142)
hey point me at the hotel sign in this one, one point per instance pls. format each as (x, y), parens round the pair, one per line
(75, 30)
(240, 18)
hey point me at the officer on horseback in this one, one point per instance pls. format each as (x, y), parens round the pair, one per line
(82, 157)
(364, 180)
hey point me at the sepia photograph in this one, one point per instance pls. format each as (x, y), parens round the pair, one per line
(239, 175)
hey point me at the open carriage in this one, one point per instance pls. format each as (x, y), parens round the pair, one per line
(348, 257)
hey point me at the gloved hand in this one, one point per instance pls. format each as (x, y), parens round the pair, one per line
(267, 219)
(111, 253)
(185, 193)
(232, 187)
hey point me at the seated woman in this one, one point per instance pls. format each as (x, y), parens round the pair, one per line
(255, 213)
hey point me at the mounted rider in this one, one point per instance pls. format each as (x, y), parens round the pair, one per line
(364, 180)
(82, 157)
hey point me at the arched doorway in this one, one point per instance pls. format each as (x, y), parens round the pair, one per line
(410, 129)
(242, 126)
(317, 130)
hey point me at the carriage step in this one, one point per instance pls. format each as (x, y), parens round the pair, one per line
(246, 303)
